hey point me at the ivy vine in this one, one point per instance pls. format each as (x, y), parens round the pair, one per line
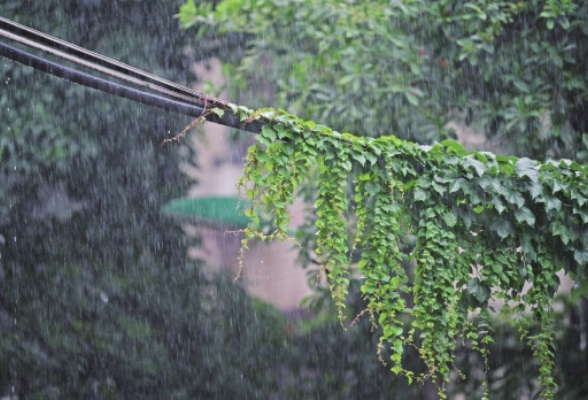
(485, 225)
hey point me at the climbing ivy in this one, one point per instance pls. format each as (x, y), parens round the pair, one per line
(485, 225)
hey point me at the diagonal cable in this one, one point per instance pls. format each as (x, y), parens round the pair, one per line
(73, 75)
(81, 56)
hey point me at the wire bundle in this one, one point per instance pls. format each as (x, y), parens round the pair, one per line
(168, 95)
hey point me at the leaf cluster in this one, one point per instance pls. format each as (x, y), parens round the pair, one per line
(485, 225)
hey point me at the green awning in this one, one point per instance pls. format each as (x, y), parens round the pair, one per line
(225, 211)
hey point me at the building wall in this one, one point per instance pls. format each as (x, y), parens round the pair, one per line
(269, 270)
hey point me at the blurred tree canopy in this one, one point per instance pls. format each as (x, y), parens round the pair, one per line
(97, 297)
(512, 69)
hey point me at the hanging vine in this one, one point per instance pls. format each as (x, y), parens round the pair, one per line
(485, 225)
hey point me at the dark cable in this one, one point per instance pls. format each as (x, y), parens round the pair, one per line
(188, 98)
(44, 42)
(70, 74)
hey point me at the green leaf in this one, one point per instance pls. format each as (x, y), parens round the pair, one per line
(581, 256)
(455, 146)
(478, 289)
(522, 86)
(502, 227)
(233, 108)
(534, 189)
(460, 183)
(520, 105)
(527, 167)
(218, 111)
(420, 195)
(346, 165)
(562, 231)
(552, 203)
(372, 188)
(441, 189)
(450, 219)
(412, 98)
(226, 210)
(282, 131)
(471, 161)
(497, 268)
(557, 186)
(371, 158)
(511, 195)
(263, 140)
(582, 213)
(359, 158)
(268, 132)
(576, 195)
(498, 204)
(523, 214)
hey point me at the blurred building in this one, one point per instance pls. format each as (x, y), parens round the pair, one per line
(269, 270)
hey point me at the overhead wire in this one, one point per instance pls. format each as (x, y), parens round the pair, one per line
(170, 96)
(79, 55)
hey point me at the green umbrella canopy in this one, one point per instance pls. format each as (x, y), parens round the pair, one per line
(212, 210)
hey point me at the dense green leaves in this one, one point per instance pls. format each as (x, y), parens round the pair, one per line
(485, 225)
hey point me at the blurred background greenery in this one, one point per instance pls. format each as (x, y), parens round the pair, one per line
(97, 296)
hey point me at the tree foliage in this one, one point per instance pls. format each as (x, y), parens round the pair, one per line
(514, 70)
(97, 297)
